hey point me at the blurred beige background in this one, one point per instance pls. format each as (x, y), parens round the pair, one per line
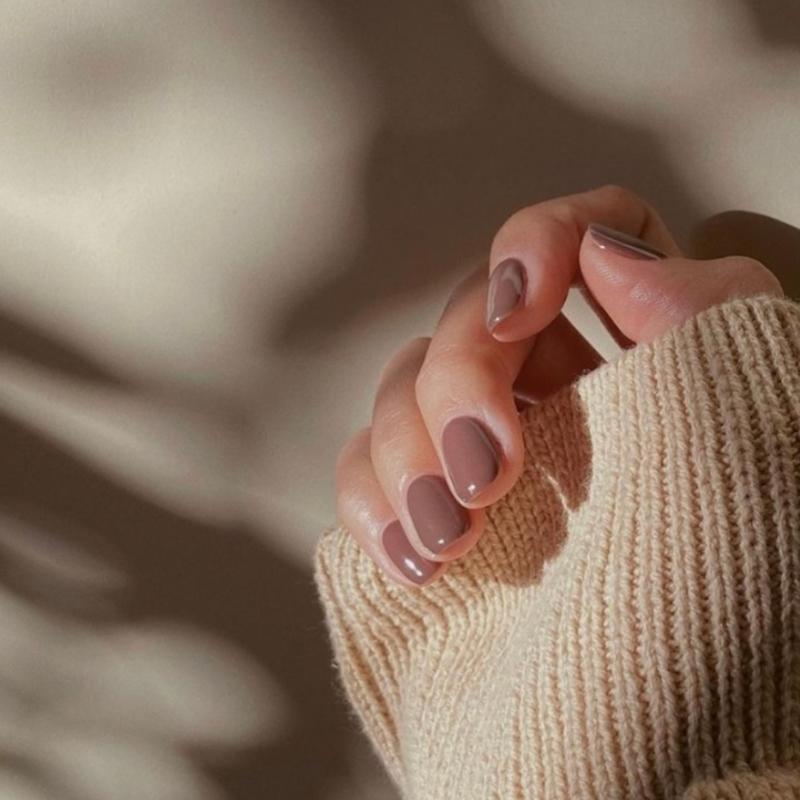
(217, 219)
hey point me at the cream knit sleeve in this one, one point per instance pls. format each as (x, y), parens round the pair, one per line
(628, 626)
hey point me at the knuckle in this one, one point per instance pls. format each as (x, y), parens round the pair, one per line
(489, 361)
(389, 412)
(438, 363)
(449, 366)
(393, 409)
(563, 214)
(563, 209)
(391, 425)
(519, 220)
(613, 195)
(558, 211)
(613, 192)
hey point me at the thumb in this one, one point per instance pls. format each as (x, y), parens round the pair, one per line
(645, 293)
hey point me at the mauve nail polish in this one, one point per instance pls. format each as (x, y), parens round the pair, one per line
(506, 291)
(436, 514)
(623, 244)
(470, 457)
(404, 557)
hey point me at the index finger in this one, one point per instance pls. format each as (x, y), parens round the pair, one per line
(534, 255)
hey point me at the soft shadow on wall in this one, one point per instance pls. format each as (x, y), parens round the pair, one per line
(466, 140)
(148, 641)
(777, 22)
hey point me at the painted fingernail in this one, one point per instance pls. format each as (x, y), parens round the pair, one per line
(470, 457)
(404, 556)
(506, 291)
(436, 514)
(622, 243)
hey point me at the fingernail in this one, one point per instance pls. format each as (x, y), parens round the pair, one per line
(470, 457)
(404, 556)
(622, 243)
(436, 514)
(506, 291)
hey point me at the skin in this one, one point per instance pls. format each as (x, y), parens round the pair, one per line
(466, 370)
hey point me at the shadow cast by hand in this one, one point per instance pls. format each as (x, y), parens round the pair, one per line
(21, 340)
(530, 525)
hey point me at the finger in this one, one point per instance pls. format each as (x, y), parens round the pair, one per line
(467, 394)
(534, 256)
(408, 468)
(366, 513)
(646, 294)
(464, 392)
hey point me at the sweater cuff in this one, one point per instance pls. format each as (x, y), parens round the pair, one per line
(627, 625)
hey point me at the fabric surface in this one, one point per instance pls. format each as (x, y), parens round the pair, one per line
(627, 626)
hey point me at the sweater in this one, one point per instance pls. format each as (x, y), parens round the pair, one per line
(628, 624)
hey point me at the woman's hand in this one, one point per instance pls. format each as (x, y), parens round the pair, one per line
(445, 439)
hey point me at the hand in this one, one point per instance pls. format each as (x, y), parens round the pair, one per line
(445, 439)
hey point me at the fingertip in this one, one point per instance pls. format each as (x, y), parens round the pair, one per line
(482, 461)
(405, 564)
(471, 457)
(507, 293)
(523, 298)
(436, 521)
(622, 244)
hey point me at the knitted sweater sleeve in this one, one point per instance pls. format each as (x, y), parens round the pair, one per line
(629, 624)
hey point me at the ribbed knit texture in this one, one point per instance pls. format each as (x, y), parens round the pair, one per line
(628, 625)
